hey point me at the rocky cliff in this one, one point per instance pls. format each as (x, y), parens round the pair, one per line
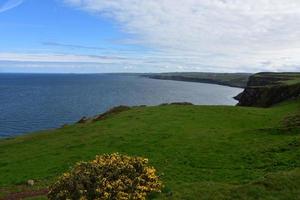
(266, 89)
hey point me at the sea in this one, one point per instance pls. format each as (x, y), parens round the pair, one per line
(34, 102)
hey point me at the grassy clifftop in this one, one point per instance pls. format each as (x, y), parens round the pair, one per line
(266, 89)
(272, 79)
(202, 152)
(228, 79)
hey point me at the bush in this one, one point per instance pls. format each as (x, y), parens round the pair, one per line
(112, 176)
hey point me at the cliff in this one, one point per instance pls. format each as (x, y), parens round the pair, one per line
(267, 89)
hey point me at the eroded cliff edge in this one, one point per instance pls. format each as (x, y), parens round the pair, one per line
(266, 89)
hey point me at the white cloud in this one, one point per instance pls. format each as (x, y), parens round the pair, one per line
(9, 4)
(235, 35)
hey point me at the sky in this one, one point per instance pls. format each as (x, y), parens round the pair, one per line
(100, 36)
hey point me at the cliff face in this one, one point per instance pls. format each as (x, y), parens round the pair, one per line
(266, 89)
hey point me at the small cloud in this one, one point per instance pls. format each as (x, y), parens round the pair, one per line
(10, 4)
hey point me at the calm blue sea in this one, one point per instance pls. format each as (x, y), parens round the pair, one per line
(32, 102)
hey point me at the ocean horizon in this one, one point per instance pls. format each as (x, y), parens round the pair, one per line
(34, 102)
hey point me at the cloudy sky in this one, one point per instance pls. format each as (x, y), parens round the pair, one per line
(85, 36)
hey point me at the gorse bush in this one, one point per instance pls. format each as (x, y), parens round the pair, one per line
(109, 177)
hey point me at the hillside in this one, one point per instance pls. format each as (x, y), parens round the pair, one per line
(228, 79)
(266, 89)
(202, 152)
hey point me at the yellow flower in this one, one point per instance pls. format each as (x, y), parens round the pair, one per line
(112, 176)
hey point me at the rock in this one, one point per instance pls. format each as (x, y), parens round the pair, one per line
(238, 97)
(291, 121)
(112, 111)
(182, 103)
(30, 182)
(164, 104)
(64, 126)
(177, 103)
(83, 120)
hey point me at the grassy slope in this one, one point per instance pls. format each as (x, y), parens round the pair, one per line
(204, 152)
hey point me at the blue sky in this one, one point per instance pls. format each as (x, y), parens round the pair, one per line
(86, 36)
(33, 24)
(48, 28)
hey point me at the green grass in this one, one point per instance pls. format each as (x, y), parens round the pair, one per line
(295, 80)
(202, 152)
(282, 78)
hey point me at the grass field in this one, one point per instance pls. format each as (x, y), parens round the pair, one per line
(202, 152)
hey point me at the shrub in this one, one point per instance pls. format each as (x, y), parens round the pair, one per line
(109, 177)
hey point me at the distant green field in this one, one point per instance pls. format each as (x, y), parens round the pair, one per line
(282, 78)
(229, 79)
(202, 152)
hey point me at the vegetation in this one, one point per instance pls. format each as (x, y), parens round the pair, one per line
(229, 79)
(279, 78)
(112, 176)
(202, 152)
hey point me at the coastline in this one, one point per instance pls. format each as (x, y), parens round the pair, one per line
(194, 80)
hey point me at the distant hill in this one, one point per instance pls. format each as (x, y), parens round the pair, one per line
(265, 89)
(229, 79)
